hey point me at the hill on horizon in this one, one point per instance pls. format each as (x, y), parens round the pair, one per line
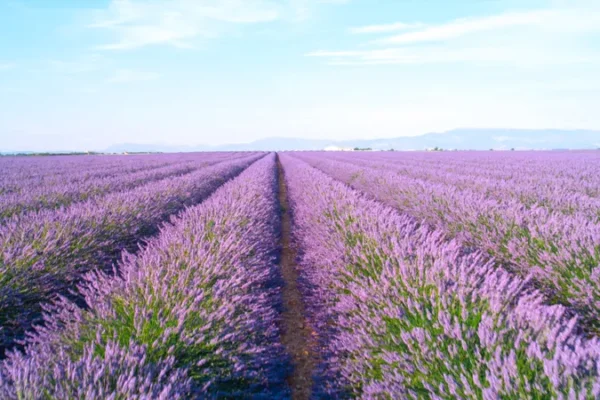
(457, 139)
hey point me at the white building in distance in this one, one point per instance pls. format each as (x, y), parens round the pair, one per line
(336, 148)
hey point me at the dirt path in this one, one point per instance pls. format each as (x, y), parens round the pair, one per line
(296, 334)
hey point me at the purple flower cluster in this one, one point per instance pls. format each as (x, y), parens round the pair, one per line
(534, 178)
(193, 315)
(403, 312)
(26, 172)
(526, 210)
(62, 190)
(44, 253)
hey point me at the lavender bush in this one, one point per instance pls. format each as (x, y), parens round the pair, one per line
(536, 179)
(403, 313)
(61, 195)
(554, 242)
(61, 189)
(25, 172)
(44, 253)
(191, 316)
(21, 174)
(449, 275)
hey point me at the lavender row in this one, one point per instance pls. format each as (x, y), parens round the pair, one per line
(561, 252)
(60, 194)
(43, 253)
(192, 316)
(538, 167)
(27, 171)
(54, 196)
(403, 313)
(20, 173)
(544, 187)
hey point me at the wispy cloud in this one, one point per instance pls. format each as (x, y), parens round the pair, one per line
(557, 20)
(530, 38)
(178, 23)
(514, 55)
(137, 23)
(385, 28)
(130, 75)
(467, 26)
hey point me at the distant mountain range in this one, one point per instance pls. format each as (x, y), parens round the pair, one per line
(460, 139)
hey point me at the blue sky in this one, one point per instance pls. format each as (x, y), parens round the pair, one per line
(87, 74)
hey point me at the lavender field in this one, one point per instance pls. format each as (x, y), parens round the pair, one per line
(374, 275)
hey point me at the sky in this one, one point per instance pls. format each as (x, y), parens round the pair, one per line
(83, 75)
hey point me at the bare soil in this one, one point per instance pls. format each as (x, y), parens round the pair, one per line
(297, 336)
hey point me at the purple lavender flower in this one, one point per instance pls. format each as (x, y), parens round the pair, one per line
(192, 315)
(403, 312)
(45, 253)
